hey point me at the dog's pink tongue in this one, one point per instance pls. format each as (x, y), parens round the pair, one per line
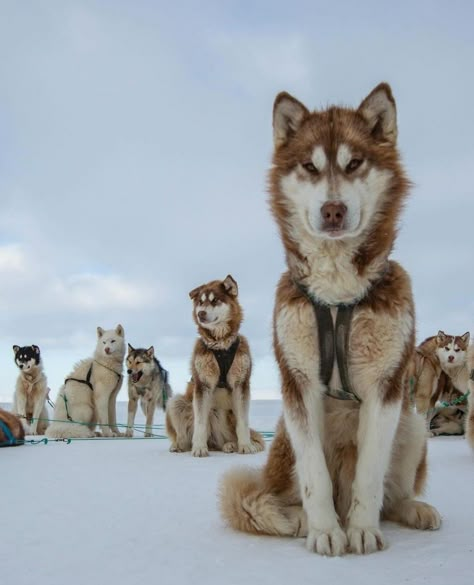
(135, 377)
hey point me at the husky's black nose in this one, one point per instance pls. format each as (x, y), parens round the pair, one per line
(202, 315)
(129, 371)
(21, 366)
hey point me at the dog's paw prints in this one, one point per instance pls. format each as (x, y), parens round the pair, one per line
(332, 543)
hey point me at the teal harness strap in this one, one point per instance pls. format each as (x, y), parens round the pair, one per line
(459, 400)
(11, 440)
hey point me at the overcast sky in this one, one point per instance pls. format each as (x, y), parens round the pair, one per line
(134, 143)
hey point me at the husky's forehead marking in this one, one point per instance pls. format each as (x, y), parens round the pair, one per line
(319, 158)
(203, 298)
(344, 156)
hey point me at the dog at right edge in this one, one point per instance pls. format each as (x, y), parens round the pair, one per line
(337, 466)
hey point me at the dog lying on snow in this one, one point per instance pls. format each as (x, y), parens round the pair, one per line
(343, 328)
(213, 413)
(147, 382)
(88, 395)
(31, 391)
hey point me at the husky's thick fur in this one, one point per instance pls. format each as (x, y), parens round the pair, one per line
(336, 466)
(470, 415)
(31, 391)
(147, 382)
(438, 369)
(12, 432)
(88, 395)
(214, 411)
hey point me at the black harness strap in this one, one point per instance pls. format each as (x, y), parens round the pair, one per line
(87, 381)
(333, 343)
(225, 359)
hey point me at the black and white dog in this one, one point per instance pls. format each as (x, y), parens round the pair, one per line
(31, 391)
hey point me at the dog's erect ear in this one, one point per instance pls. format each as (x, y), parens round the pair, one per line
(288, 114)
(100, 332)
(150, 352)
(36, 349)
(119, 330)
(466, 337)
(380, 111)
(15, 349)
(441, 337)
(130, 348)
(230, 285)
(195, 292)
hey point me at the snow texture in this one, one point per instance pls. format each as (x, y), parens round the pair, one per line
(124, 511)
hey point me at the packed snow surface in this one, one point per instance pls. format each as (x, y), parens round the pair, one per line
(128, 511)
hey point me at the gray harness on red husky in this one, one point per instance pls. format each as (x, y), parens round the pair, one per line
(333, 345)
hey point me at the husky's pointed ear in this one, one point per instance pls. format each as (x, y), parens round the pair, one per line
(130, 348)
(100, 332)
(15, 349)
(36, 349)
(230, 285)
(380, 111)
(288, 114)
(441, 337)
(119, 330)
(150, 352)
(195, 292)
(466, 337)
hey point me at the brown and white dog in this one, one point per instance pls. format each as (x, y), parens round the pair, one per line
(214, 411)
(337, 466)
(470, 415)
(438, 369)
(12, 432)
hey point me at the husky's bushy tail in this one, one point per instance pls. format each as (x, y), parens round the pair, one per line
(247, 505)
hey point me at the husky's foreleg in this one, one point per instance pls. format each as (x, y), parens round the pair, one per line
(201, 406)
(303, 410)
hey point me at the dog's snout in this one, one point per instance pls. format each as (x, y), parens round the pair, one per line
(333, 214)
(21, 366)
(451, 358)
(129, 371)
(107, 350)
(202, 314)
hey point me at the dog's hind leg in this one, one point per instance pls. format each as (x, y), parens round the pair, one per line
(407, 476)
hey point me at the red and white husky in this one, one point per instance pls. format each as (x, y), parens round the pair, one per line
(336, 466)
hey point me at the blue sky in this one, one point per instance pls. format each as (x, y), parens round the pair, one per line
(134, 143)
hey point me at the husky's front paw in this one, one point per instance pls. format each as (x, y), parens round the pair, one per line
(129, 432)
(118, 433)
(332, 543)
(248, 448)
(364, 541)
(229, 447)
(200, 451)
(106, 432)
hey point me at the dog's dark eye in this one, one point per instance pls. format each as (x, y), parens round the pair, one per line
(446, 348)
(309, 166)
(456, 350)
(112, 341)
(353, 165)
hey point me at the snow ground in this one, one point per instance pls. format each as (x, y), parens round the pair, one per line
(124, 512)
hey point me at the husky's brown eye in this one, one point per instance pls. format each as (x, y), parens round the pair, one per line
(308, 166)
(353, 165)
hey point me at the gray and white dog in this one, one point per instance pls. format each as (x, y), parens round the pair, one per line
(147, 381)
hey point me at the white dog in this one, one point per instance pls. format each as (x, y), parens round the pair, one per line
(89, 393)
